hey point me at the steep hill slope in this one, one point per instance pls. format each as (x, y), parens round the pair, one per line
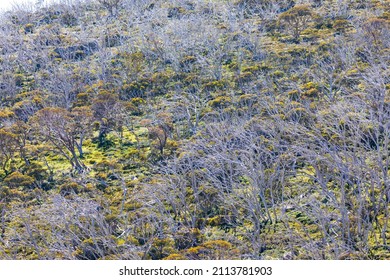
(200, 129)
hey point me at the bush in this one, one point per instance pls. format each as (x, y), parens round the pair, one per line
(29, 28)
(68, 19)
(17, 179)
(176, 12)
(186, 238)
(296, 19)
(69, 188)
(213, 250)
(220, 102)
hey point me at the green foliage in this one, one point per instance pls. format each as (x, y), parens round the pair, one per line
(69, 188)
(220, 102)
(375, 29)
(296, 19)
(187, 238)
(195, 130)
(28, 28)
(17, 179)
(212, 250)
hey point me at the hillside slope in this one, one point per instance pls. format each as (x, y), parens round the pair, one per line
(223, 129)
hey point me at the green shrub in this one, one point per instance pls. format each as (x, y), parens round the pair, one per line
(220, 102)
(29, 28)
(69, 188)
(17, 179)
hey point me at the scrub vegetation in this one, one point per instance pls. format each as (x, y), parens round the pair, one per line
(197, 129)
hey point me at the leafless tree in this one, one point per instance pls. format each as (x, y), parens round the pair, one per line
(57, 126)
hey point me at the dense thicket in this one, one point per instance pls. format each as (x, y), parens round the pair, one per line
(202, 129)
